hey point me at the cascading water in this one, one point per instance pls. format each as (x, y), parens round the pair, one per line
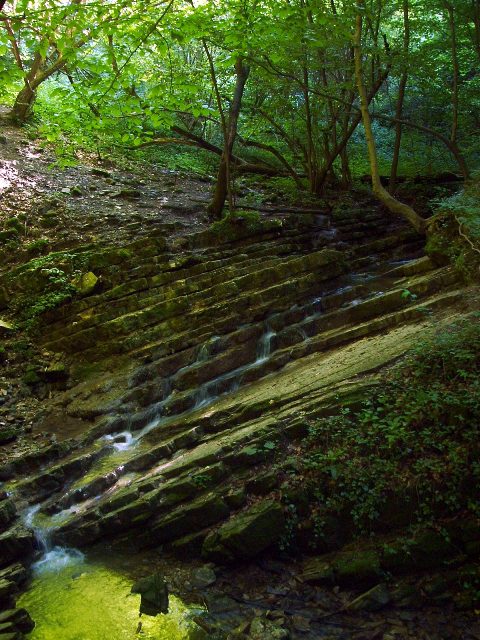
(54, 557)
(211, 390)
(158, 415)
(71, 597)
(206, 349)
(265, 345)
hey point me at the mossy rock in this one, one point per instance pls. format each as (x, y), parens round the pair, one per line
(263, 484)
(7, 513)
(236, 499)
(205, 511)
(189, 546)
(49, 223)
(6, 328)
(246, 534)
(7, 235)
(31, 377)
(8, 434)
(55, 372)
(344, 568)
(85, 284)
(357, 567)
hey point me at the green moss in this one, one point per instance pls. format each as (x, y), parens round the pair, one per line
(8, 235)
(7, 434)
(91, 601)
(37, 246)
(357, 567)
(14, 223)
(21, 346)
(49, 222)
(241, 223)
(31, 377)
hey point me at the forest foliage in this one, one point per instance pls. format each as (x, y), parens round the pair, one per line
(262, 86)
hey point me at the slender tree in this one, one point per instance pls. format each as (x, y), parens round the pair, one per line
(400, 98)
(392, 204)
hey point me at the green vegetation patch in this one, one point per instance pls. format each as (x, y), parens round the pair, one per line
(241, 224)
(455, 235)
(410, 454)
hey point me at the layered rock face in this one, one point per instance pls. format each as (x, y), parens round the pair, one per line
(204, 356)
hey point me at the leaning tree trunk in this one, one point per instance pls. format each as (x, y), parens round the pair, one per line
(392, 204)
(222, 186)
(23, 105)
(38, 73)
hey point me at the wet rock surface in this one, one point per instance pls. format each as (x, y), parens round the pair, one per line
(151, 404)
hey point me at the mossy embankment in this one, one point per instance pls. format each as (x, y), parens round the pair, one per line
(251, 368)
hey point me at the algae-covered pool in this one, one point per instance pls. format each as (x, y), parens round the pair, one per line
(81, 600)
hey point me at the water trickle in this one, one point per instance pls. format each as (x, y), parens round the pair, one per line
(121, 441)
(265, 345)
(54, 558)
(203, 397)
(207, 349)
(303, 333)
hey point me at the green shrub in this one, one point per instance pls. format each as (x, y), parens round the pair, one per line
(417, 439)
(37, 247)
(455, 235)
(14, 223)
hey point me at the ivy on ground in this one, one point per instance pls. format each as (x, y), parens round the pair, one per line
(412, 447)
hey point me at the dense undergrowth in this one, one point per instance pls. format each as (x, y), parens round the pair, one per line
(410, 454)
(455, 231)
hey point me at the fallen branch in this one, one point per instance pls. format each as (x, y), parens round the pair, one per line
(464, 236)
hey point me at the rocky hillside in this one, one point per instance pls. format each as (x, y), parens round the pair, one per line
(179, 372)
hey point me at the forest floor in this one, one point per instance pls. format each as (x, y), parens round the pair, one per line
(93, 202)
(98, 202)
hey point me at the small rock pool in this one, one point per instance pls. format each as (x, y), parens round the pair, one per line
(72, 598)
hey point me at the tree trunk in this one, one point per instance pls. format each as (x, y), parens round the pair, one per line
(23, 105)
(342, 143)
(456, 71)
(25, 99)
(400, 100)
(222, 186)
(392, 204)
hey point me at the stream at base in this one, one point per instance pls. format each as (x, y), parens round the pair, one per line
(84, 600)
(72, 597)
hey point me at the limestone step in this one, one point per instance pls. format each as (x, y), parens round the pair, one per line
(194, 435)
(232, 367)
(173, 489)
(297, 274)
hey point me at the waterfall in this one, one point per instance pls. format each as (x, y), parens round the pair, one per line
(203, 397)
(54, 557)
(264, 345)
(206, 349)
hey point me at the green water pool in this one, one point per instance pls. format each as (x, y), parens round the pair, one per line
(89, 601)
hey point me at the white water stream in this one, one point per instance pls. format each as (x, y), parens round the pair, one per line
(54, 557)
